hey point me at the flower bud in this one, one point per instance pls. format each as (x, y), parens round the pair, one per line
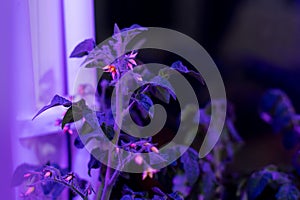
(139, 159)
(47, 174)
(29, 191)
(132, 145)
(27, 175)
(154, 149)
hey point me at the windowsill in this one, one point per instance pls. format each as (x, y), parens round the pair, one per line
(42, 125)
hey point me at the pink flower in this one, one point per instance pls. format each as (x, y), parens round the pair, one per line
(149, 172)
(67, 129)
(111, 69)
(130, 60)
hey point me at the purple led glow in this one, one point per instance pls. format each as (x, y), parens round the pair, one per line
(33, 38)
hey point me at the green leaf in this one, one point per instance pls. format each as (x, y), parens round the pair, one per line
(69, 116)
(91, 118)
(80, 110)
(74, 113)
(86, 128)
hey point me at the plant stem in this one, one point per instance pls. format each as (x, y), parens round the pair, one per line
(100, 189)
(106, 192)
(118, 122)
(109, 176)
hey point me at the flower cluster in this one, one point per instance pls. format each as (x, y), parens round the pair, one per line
(121, 65)
(49, 180)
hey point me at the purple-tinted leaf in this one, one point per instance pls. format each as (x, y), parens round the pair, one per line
(179, 67)
(78, 143)
(183, 69)
(134, 26)
(233, 132)
(196, 75)
(269, 100)
(81, 183)
(93, 164)
(280, 123)
(296, 162)
(56, 101)
(101, 118)
(275, 98)
(276, 109)
(58, 189)
(190, 161)
(18, 176)
(158, 191)
(257, 183)
(52, 189)
(144, 104)
(127, 190)
(83, 48)
(288, 192)
(127, 197)
(175, 196)
(105, 54)
(116, 29)
(290, 139)
(208, 181)
(108, 130)
(280, 177)
(156, 197)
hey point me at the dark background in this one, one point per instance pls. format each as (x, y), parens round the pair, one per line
(255, 44)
